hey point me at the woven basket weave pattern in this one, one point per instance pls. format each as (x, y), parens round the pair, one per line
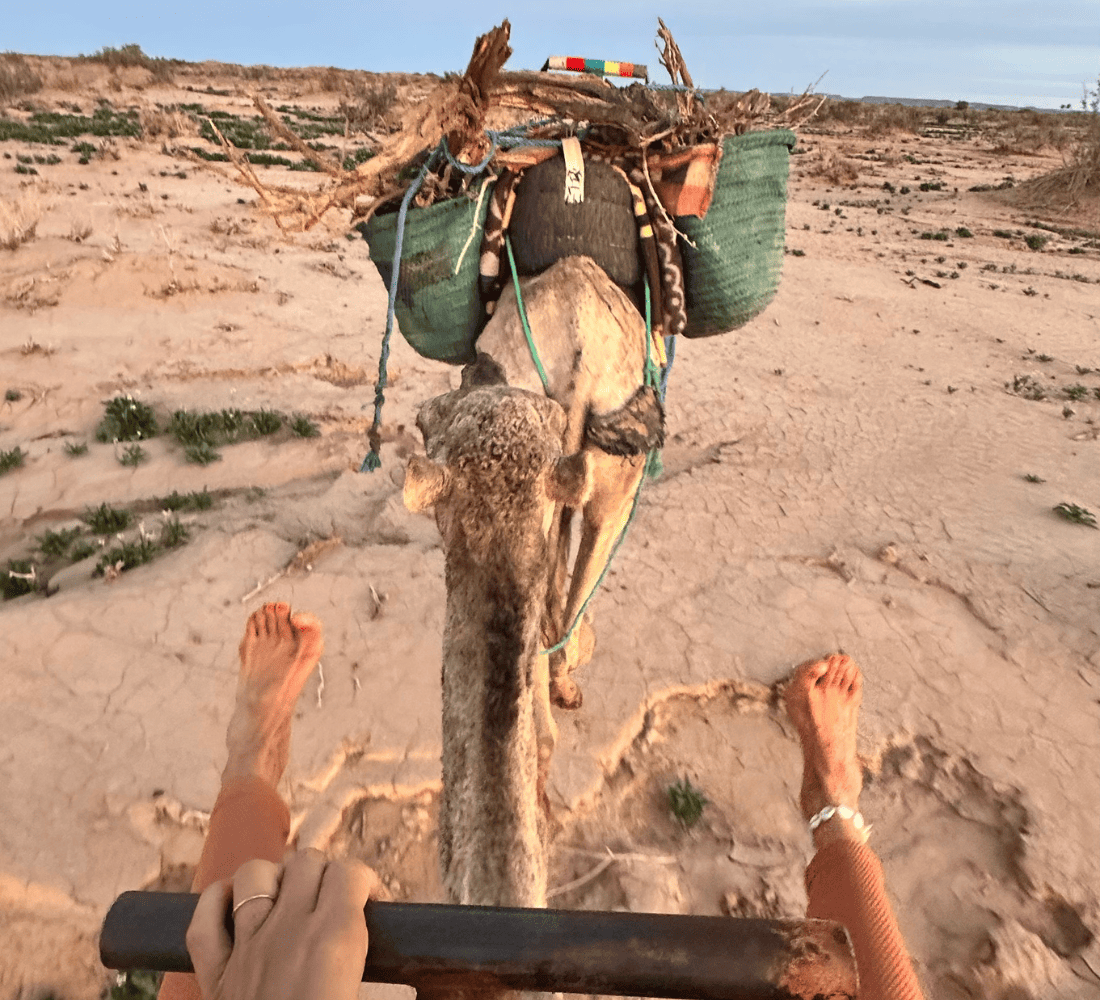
(438, 310)
(733, 271)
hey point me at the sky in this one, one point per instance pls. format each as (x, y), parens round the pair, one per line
(1037, 54)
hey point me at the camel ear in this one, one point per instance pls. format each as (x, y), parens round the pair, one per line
(569, 481)
(425, 483)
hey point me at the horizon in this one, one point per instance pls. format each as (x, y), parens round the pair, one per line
(965, 50)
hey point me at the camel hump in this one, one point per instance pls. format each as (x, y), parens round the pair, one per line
(544, 228)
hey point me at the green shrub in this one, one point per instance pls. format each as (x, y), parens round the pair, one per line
(126, 419)
(12, 459)
(686, 802)
(174, 534)
(133, 456)
(187, 501)
(106, 520)
(13, 582)
(964, 233)
(266, 421)
(74, 449)
(1035, 241)
(302, 426)
(54, 544)
(201, 454)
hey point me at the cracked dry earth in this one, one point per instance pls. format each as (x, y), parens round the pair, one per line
(846, 472)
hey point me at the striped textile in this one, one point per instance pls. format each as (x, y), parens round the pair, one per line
(601, 67)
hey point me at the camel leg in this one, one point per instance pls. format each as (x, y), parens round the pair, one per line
(604, 517)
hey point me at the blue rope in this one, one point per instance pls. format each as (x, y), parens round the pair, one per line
(507, 138)
(373, 460)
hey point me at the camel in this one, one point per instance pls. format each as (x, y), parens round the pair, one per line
(495, 476)
(592, 344)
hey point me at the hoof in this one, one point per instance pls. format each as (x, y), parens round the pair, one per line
(565, 694)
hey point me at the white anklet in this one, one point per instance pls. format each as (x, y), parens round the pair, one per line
(844, 812)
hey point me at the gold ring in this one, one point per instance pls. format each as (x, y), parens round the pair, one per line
(259, 895)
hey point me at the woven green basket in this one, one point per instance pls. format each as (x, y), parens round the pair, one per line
(438, 305)
(732, 273)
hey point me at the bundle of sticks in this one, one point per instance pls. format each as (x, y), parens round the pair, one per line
(462, 110)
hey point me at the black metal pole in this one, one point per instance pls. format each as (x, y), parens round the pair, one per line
(621, 954)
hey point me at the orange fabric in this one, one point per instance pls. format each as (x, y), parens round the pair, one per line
(844, 883)
(249, 821)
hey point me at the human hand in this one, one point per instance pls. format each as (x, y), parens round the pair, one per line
(307, 942)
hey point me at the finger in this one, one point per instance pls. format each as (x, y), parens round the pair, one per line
(208, 941)
(269, 619)
(302, 880)
(254, 881)
(345, 888)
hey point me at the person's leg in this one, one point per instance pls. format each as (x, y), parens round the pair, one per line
(844, 881)
(250, 819)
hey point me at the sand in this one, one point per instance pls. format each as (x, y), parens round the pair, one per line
(845, 472)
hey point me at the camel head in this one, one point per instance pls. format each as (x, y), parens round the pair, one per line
(494, 469)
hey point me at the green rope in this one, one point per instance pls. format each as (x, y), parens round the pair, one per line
(653, 467)
(523, 318)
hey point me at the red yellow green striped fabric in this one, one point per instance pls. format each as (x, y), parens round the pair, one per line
(602, 67)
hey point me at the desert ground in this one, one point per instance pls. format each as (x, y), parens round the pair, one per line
(871, 465)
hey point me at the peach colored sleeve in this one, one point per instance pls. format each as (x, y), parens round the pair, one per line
(249, 821)
(844, 882)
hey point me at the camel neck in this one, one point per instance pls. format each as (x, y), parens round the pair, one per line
(491, 836)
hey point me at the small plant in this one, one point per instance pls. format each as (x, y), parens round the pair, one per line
(266, 422)
(1082, 370)
(1044, 357)
(129, 554)
(1028, 387)
(74, 449)
(54, 544)
(12, 459)
(20, 578)
(1030, 291)
(187, 501)
(174, 534)
(1077, 515)
(1032, 478)
(201, 454)
(126, 419)
(905, 190)
(133, 456)
(106, 520)
(1035, 241)
(302, 426)
(941, 235)
(12, 396)
(81, 550)
(686, 802)
(963, 233)
(1004, 234)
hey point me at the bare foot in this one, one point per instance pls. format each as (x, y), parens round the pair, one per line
(278, 653)
(823, 703)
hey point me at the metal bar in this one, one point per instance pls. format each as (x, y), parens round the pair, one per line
(622, 954)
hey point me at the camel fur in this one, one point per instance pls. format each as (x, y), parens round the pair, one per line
(495, 476)
(592, 344)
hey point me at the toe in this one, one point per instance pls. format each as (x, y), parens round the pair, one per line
(282, 621)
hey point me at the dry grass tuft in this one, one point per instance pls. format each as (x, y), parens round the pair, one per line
(833, 168)
(79, 230)
(157, 122)
(1076, 182)
(365, 106)
(16, 78)
(18, 223)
